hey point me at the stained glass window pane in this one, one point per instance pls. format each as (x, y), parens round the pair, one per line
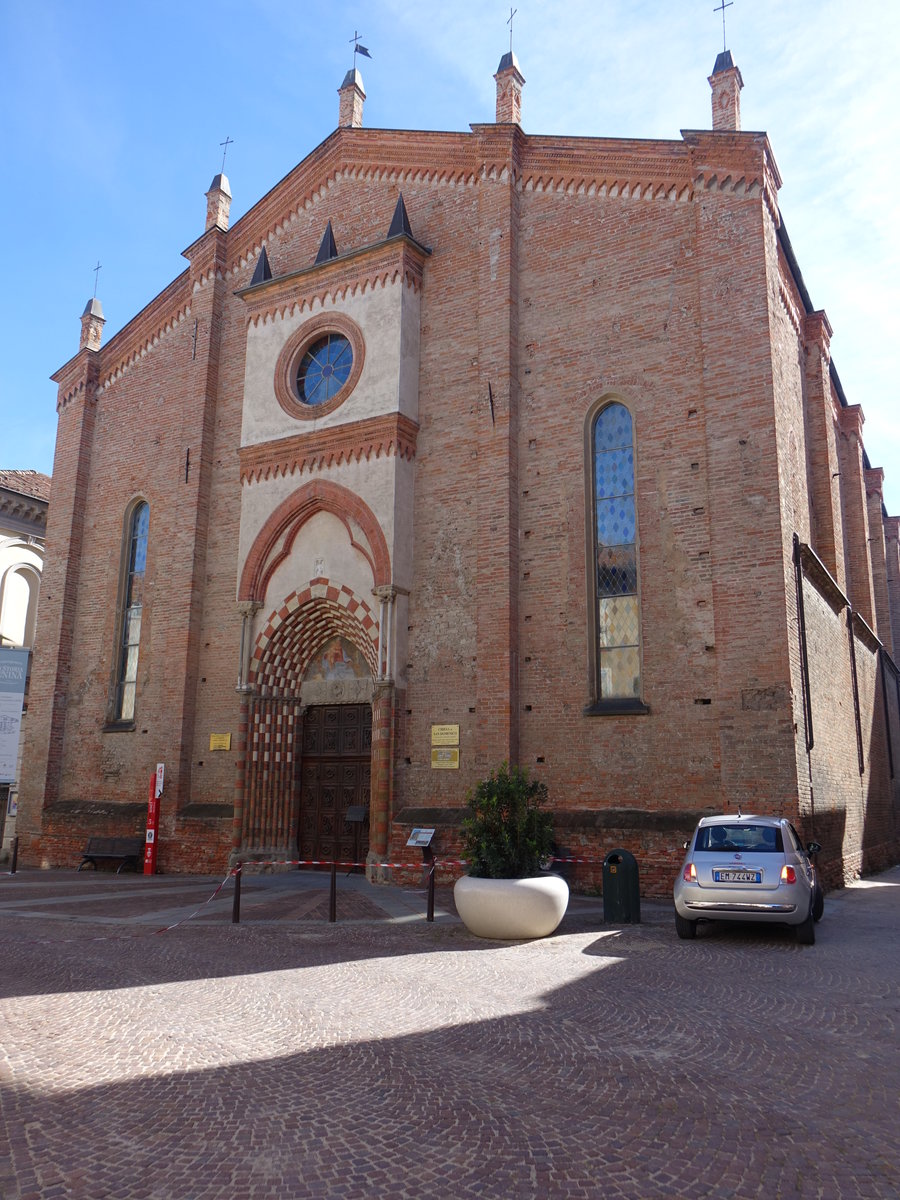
(619, 622)
(618, 612)
(614, 472)
(616, 571)
(613, 428)
(131, 620)
(615, 521)
(324, 369)
(620, 673)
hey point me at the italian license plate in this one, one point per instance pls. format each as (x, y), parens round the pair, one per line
(733, 875)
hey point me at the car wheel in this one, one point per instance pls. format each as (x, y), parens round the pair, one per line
(684, 928)
(806, 932)
(818, 905)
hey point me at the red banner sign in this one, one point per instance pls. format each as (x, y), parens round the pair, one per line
(152, 823)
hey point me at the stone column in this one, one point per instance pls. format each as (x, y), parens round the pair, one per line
(382, 773)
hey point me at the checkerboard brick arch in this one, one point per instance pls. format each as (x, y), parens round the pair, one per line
(320, 495)
(300, 626)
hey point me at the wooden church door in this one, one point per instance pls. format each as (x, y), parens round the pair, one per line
(335, 775)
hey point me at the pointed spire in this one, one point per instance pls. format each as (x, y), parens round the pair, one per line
(92, 322)
(400, 220)
(263, 270)
(510, 82)
(218, 203)
(328, 249)
(352, 96)
(726, 84)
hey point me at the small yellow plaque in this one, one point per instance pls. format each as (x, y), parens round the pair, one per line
(445, 735)
(445, 758)
(220, 741)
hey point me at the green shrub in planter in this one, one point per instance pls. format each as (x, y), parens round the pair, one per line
(507, 833)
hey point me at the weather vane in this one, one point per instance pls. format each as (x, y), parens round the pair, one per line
(96, 277)
(721, 8)
(512, 13)
(228, 142)
(358, 48)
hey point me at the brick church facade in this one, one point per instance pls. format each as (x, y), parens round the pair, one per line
(460, 448)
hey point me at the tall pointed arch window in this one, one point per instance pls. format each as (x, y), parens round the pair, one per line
(617, 635)
(132, 612)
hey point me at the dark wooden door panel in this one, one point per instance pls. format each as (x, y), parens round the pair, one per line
(335, 774)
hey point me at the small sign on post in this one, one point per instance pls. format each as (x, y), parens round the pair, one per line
(420, 837)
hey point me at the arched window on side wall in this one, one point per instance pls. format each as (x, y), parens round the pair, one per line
(132, 611)
(617, 634)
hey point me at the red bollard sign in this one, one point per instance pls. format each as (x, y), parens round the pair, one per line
(150, 841)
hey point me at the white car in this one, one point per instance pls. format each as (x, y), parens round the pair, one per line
(748, 868)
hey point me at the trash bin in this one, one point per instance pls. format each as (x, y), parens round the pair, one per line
(621, 893)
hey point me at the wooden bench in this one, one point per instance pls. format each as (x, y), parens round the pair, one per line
(129, 849)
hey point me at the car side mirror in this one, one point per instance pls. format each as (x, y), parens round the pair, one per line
(684, 845)
(813, 848)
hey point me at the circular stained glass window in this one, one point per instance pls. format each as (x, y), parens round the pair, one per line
(324, 369)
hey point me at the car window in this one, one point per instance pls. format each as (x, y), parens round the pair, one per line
(756, 839)
(795, 837)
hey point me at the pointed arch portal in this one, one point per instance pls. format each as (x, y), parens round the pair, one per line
(307, 731)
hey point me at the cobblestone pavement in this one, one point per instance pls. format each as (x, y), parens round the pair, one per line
(385, 1057)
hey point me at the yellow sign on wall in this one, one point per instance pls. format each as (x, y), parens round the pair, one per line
(220, 741)
(445, 758)
(445, 735)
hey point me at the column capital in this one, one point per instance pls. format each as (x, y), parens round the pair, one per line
(389, 591)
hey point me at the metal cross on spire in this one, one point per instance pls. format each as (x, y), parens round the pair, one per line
(228, 142)
(721, 8)
(358, 48)
(97, 276)
(512, 13)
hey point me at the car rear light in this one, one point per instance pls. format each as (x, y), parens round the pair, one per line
(689, 874)
(788, 874)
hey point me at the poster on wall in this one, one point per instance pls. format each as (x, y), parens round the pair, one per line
(13, 672)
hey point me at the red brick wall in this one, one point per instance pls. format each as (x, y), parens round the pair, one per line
(555, 282)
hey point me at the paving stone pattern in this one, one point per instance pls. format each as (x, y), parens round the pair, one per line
(385, 1057)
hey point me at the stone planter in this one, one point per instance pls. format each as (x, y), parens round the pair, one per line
(507, 909)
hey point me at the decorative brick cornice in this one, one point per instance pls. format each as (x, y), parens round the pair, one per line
(739, 163)
(27, 509)
(607, 168)
(207, 256)
(380, 264)
(392, 434)
(133, 342)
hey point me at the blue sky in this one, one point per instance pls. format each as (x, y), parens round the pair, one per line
(114, 115)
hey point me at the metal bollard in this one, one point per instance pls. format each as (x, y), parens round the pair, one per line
(15, 855)
(236, 906)
(332, 898)
(429, 916)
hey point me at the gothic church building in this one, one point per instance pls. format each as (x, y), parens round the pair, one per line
(460, 448)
